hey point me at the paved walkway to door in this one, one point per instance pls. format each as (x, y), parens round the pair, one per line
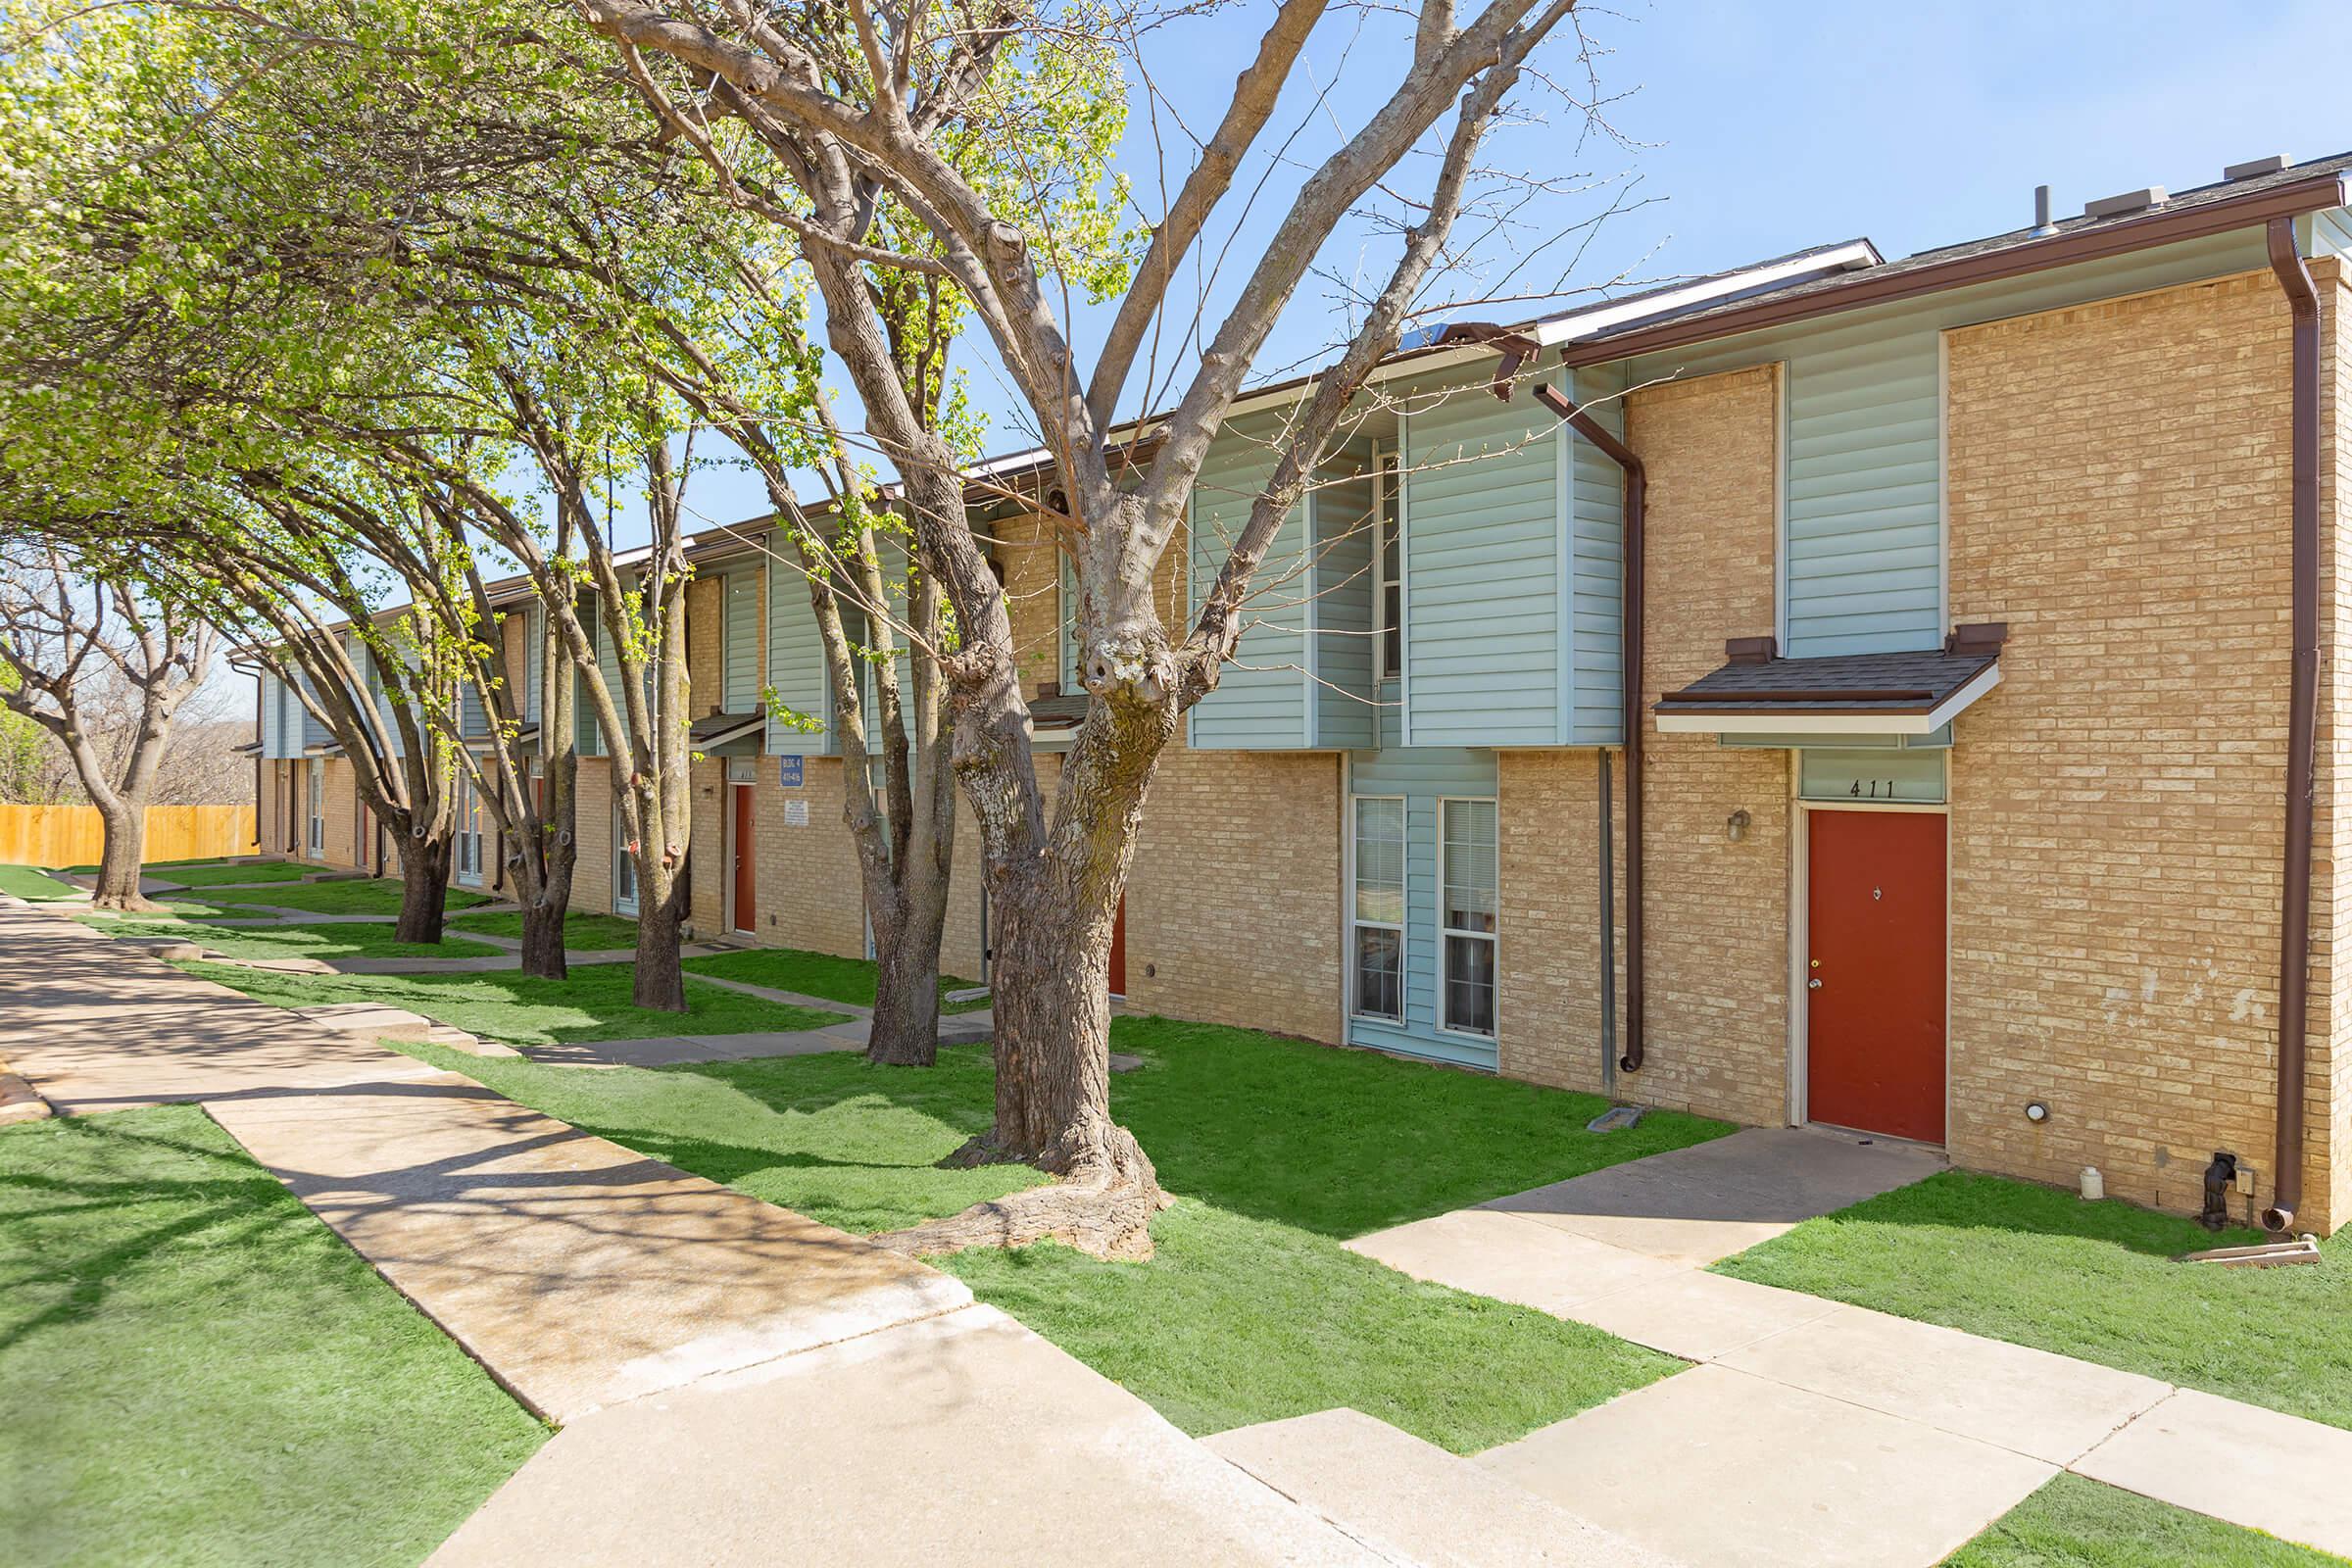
(734, 1381)
(1812, 1432)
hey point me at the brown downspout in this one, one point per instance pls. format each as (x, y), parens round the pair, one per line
(1517, 350)
(2294, 912)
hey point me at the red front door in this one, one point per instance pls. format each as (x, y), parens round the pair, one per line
(1118, 949)
(1874, 972)
(746, 914)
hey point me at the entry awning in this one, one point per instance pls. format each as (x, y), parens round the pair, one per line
(1847, 694)
(720, 733)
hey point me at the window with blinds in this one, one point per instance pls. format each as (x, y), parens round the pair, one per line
(1378, 979)
(1467, 909)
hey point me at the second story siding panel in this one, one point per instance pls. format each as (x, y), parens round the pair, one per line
(1596, 568)
(1342, 644)
(1863, 550)
(1260, 700)
(534, 661)
(739, 640)
(1484, 608)
(272, 746)
(1862, 546)
(796, 666)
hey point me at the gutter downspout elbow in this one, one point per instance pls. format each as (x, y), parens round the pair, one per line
(2294, 912)
(1516, 349)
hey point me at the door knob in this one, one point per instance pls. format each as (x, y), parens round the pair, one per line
(1812, 985)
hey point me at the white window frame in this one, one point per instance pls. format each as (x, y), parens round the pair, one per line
(623, 867)
(1405, 896)
(1388, 482)
(468, 870)
(315, 799)
(1447, 933)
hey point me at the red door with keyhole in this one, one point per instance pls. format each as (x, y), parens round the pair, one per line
(746, 914)
(1874, 973)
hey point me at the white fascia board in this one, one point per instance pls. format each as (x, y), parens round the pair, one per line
(1750, 721)
(1578, 325)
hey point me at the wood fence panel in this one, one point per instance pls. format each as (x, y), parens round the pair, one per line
(74, 835)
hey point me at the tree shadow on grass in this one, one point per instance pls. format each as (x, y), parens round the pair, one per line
(1335, 1141)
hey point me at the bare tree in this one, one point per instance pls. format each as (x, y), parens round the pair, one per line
(59, 633)
(849, 132)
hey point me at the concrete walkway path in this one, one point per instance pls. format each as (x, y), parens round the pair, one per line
(735, 1382)
(1814, 1432)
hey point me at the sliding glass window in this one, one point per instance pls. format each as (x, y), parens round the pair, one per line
(1378, 979)
(1468, 905)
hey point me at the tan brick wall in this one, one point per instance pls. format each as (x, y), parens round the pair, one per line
(1717, 945)
(338, 812)
(1547, 991)
(1234, 895)
(1717, 913)
(2117, 493)
(808, 876)
(592, 819)
(705, 630)
(707, 904)
(513, 638)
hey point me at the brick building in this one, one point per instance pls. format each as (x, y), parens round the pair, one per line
(1964, 703)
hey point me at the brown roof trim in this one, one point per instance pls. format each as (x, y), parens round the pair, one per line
(1798, 693)
(2162, 228)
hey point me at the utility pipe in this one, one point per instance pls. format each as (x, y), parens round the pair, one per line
(2294, 910)
(1516, 350)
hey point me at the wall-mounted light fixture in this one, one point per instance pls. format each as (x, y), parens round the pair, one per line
(2035, 1110)
(1735, 826)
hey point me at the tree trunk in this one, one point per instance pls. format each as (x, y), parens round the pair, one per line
(120, 860)
(660, 978)
(1052, 1057)
(543, 938)
(423, 889)
(906, 1023)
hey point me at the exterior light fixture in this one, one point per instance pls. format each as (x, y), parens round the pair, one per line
(1735, 826)
(2035, 1110)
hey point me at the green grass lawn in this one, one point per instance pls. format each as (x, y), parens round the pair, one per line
(1278, 1151)
(337, 941)
(816, 974)
(377, 896)
(2039, 1266)
(524, 1010)
(2075, 1523)
(193, 1369)
(583, 932)
(31, 882)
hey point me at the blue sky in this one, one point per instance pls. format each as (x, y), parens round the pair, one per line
(1749, 131)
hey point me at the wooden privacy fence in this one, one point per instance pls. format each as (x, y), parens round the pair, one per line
(74, 835)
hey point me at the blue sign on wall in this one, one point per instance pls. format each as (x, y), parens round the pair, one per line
(787, 772)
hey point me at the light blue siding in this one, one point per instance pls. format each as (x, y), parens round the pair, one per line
(587, 736)
(796, 668)
(272, 746)
(1864, 494)
(1341, 647)
(1484, 608)
(1595, 650)
(1260, 700)
(1065, 621)
(1862, 546)
(534, 659)
(314, 731)
(1423, 775)
(739, 592)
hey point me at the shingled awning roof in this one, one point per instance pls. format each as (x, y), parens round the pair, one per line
(1848, 693)
(720, 729)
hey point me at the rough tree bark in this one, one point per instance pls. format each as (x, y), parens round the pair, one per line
(423, 889)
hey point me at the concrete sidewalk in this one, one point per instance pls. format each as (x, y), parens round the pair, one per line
(1814, 1432)
(736, 1382)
